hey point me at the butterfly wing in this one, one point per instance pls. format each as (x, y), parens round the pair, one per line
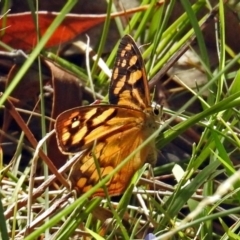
(109, 153)
(129, 85)
(78, 128)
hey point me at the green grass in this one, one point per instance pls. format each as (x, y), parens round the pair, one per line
(200, 201)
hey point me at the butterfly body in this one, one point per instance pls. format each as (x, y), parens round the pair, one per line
(109, 133)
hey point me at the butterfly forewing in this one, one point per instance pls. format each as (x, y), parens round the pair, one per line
(78, 128)
(129, 84)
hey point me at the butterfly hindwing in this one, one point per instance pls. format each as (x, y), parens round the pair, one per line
(108, 153)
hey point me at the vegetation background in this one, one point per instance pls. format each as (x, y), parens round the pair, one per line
(191, 51)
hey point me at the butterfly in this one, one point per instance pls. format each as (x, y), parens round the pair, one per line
(109, 133)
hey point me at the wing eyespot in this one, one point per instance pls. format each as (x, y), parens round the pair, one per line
(74, 119)
(75, 122)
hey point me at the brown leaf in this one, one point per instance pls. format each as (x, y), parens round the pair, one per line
(67, 94)
(19, 31)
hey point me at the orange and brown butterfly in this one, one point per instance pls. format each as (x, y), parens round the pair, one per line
(109, 133)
